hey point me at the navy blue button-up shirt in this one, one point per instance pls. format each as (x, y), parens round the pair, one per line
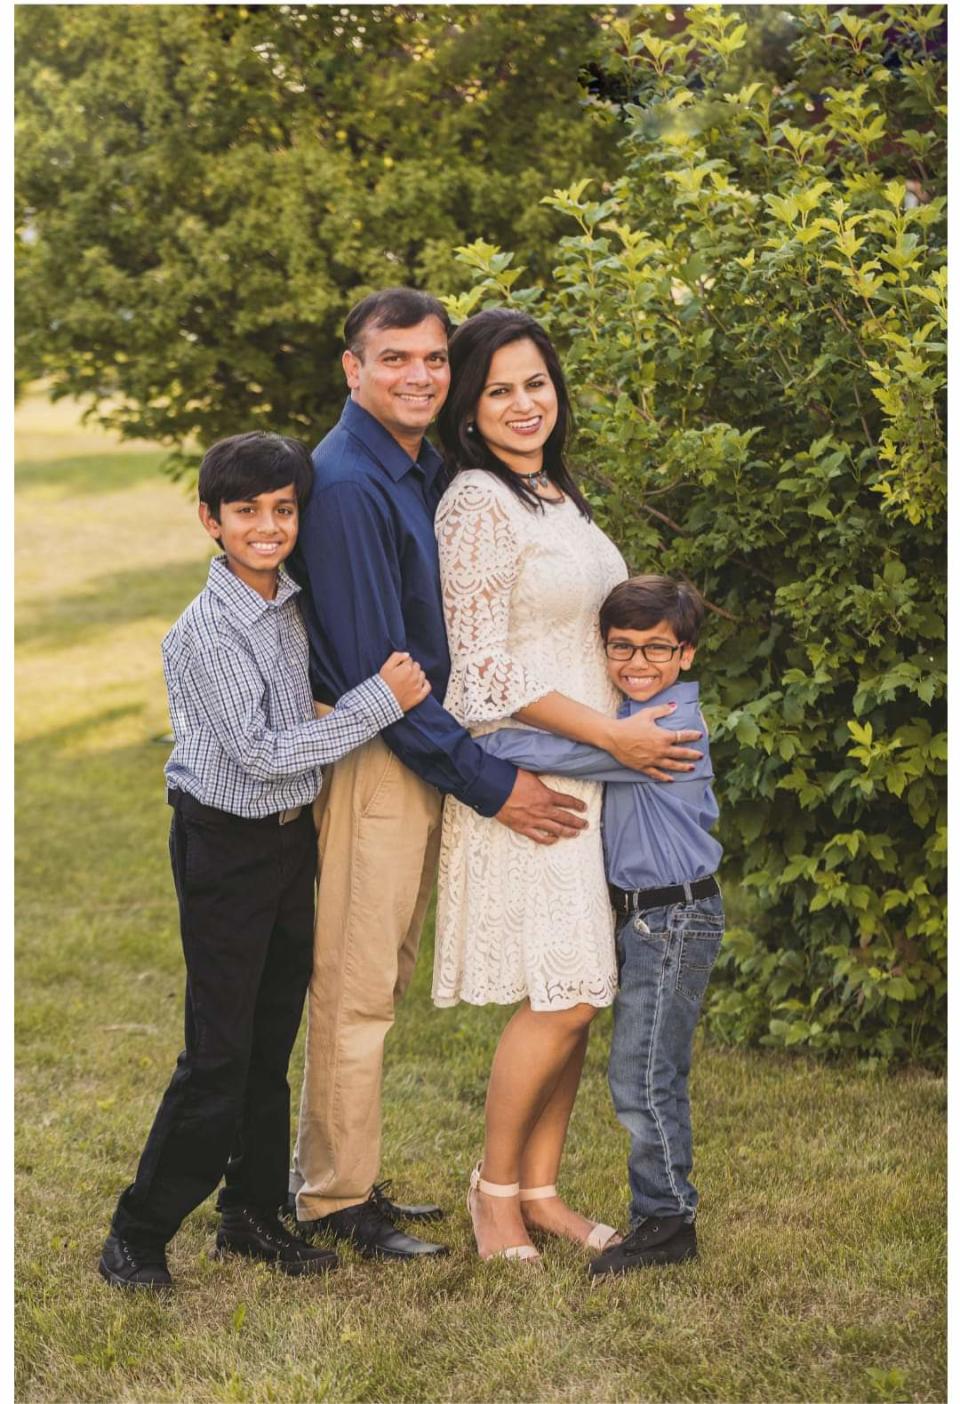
(366, 557)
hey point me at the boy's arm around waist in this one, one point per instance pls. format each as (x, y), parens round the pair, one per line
(541, 751)
(226, 689)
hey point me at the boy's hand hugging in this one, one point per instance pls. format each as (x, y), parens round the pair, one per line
(405, 679)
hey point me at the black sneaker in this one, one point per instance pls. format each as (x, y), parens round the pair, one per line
(653, 1243)
(257, 1235)
(124, 1265)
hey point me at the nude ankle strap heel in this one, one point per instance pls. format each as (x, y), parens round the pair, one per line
(523, 1252)
(598, 1237)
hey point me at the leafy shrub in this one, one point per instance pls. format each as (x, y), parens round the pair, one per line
(204, 190)
(753, 320)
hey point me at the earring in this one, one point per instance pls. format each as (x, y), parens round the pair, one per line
(471, 428)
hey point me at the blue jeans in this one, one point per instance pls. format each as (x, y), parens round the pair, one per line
(665, 956)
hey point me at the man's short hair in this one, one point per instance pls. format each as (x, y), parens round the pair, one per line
(391, 307)
(644, 600)
(245, 465)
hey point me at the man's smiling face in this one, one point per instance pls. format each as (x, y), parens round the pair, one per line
(402, 378)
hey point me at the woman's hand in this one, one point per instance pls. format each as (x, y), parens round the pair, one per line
(638, 742)
(405, 679)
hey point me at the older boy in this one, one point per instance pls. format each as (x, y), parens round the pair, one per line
(661, 860)
(241, 779)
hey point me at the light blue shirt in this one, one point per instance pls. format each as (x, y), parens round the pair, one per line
(655, 834)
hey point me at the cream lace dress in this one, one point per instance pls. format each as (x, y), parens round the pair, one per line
(521, 591)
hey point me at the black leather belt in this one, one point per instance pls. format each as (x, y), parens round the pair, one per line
(645, 900)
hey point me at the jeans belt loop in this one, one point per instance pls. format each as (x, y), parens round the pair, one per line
(687, 893)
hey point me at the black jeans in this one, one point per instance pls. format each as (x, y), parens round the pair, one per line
(246, 891)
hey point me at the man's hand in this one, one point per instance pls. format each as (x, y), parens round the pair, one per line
(540, 813)
(642, 745)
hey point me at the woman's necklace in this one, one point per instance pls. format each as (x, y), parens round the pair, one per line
(539, 479)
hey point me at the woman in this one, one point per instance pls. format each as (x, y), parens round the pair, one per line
(524, 570)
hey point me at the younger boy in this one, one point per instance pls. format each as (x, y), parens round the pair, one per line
(241, 779)
(660, 860)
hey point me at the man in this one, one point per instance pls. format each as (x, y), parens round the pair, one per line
(367, 559)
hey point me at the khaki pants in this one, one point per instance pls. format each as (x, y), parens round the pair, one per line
(378, 829)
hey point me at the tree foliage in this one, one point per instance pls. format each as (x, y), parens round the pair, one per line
(751, 298)
(203, 191)
(754, 317)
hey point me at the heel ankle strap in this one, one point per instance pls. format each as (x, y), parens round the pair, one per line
(488, 1186)
(539, 1192)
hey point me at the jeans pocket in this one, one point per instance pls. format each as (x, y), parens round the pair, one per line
(698, 952)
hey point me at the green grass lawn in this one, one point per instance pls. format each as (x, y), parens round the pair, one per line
(822, 1226)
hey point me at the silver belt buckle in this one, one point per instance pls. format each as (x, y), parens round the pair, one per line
(287, 816)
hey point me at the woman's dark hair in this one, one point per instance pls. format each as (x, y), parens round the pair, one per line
(644, 600)
(390, 307)
(245, 465)
(472, 348)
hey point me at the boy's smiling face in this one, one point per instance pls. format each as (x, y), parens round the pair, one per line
(642, 677)
(256, 534)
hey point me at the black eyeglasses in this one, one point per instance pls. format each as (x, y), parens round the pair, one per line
(621, 651)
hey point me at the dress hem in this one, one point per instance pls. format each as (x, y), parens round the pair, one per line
(449, 1001)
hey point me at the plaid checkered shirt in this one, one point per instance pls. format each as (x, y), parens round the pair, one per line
(246, 738)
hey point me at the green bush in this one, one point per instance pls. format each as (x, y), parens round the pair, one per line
(204, 190)
(753, 320)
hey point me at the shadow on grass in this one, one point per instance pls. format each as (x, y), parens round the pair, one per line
(110, 471)
(110, 601)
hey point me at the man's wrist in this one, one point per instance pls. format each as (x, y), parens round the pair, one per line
(490, 789)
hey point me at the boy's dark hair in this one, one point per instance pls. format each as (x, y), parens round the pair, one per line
(642, 601)
(245, 465)
(391, 307)
(472, 348)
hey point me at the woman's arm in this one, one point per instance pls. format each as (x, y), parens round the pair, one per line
(479, 565)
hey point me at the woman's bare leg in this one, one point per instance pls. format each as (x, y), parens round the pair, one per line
(532, 1056)
(541, 1156)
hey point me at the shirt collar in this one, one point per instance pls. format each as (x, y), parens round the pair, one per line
(384, 447)
(243, 602)
(677, 692)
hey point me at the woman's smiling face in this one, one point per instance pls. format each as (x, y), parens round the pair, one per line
(517, 409)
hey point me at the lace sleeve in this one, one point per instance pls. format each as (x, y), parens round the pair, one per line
(479, 565)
